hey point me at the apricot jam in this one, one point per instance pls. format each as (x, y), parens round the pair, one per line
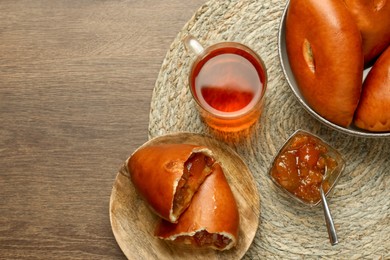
(300, 167)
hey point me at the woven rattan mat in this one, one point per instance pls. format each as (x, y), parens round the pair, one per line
(360, 203)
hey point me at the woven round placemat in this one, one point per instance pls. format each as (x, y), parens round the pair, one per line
(360, 203)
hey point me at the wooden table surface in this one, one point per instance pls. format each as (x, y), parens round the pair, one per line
(76, 79)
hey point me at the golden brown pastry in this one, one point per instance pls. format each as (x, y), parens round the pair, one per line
(212, 219)
(324, 48)
(373, 20)
(167, 176)
(373, 112)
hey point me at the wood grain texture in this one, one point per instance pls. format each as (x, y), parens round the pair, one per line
(76, 79)
(134, 226)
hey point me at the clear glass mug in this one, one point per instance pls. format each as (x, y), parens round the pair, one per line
(228, 81)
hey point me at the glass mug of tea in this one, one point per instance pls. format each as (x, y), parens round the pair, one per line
(228, 81)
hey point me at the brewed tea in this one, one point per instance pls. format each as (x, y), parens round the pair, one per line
(228, 80)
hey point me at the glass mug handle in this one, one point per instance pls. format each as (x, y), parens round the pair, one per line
(193, 45)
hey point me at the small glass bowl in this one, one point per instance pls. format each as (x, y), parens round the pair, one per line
(331, 176)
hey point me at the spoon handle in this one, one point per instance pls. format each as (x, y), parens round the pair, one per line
(328, 219)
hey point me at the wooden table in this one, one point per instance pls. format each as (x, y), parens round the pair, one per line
(76, 78)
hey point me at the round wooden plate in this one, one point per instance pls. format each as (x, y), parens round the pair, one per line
(133, 223)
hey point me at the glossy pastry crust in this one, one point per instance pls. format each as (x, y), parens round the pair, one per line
(373, 20)
(160, 172)
(212, 219)
(373, 112)
(324, 47)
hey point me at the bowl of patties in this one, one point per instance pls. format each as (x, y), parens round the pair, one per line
(335, 56)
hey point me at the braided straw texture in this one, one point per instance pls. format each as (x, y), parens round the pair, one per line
(360, 203)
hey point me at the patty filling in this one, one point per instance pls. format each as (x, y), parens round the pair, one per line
(205, 239)
(196, 169)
